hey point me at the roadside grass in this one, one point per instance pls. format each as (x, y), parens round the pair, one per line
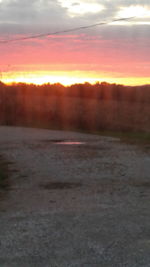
(142, 138)
(130, 137)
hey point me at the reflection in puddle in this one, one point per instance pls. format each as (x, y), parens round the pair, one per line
(63, 142)
(69, 143)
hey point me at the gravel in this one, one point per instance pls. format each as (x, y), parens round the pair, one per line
(74, 200)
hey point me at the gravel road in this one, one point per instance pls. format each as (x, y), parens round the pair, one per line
(85, 204)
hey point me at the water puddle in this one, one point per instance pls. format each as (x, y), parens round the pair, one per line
(64, 142)
(60, 185)
(69, 143)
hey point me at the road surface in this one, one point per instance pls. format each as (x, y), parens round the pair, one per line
(75, 200)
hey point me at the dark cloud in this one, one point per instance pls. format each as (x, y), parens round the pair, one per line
(35, 11)
(41, 16)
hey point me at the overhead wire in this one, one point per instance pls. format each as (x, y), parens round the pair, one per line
(35, 36)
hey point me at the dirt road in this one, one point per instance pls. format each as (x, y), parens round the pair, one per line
(75, 200)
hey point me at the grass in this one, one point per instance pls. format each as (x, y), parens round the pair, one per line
(131, 137)
(125, 136)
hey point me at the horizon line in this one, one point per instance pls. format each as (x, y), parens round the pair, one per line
(77, 83)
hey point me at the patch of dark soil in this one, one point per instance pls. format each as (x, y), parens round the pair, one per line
(60, 185)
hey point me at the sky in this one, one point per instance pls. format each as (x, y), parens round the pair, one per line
(116, 52)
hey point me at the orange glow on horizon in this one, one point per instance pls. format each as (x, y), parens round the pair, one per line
(69, 77)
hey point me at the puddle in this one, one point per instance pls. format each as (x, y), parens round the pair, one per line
(64, 142)
(60, 185)
(69, 143)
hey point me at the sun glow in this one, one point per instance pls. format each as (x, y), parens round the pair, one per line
(68, 78)
(41, 77)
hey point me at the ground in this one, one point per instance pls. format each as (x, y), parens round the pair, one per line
(74, 205)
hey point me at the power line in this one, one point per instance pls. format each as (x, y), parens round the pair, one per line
(63, 31)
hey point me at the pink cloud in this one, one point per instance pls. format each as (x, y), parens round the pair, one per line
(121, 56)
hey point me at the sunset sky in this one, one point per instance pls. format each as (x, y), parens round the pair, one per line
(116, 52)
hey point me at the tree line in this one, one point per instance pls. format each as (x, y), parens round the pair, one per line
(101, 106)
